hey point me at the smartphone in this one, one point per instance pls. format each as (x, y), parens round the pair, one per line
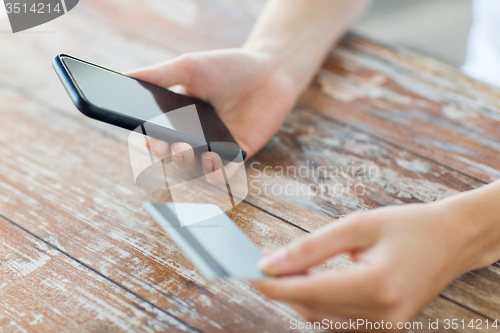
(126, 102)
(208, 237)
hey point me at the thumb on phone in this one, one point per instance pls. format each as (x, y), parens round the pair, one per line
(177, 71)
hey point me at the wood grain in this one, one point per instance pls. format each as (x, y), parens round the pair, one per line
(63, 179)
(160, 35)
(133, 251)
(78, 193)
(389, 93)
(442, 312)
(34, 76)
(345, 169)
(479, 290)
(413, 102)
(398, 187)
(42, 290)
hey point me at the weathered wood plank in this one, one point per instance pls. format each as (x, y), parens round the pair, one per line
(321, 166)
(402, 184)
(307, 139)
(443, 313)
(309, 213)
(479, 290)
(26, 58)
(78, 193)
(319, 209)
(42, 290)
(414, 102)
(184, 26)
(161, 27)
(90, 205)
(51, 92)
(417, 103)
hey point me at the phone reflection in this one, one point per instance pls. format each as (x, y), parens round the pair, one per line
(227, 185)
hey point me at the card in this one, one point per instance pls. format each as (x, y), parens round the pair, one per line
(210, 239)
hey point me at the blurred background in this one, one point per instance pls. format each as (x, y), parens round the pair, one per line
(437, 28)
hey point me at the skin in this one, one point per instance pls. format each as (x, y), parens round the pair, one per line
(403, 256)
(250, 98)
(253, 88)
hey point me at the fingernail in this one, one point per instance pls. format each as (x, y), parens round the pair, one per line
(207, 162)
(273, 261)
(178, 157)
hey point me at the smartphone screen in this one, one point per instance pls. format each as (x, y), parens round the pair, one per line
(126, 96)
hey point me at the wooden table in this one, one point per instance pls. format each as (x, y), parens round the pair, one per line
(78, 253)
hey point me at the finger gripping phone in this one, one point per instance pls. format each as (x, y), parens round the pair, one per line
(126, 102)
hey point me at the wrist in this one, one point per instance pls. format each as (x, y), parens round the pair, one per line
(283, 62)
(299, 36)
(474, 218)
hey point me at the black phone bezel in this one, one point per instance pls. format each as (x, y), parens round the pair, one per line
(110, 117)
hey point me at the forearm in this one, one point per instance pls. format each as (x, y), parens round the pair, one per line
(297, 34)
(477, 215)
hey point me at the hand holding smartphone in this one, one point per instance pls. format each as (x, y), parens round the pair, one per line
(130, 103)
